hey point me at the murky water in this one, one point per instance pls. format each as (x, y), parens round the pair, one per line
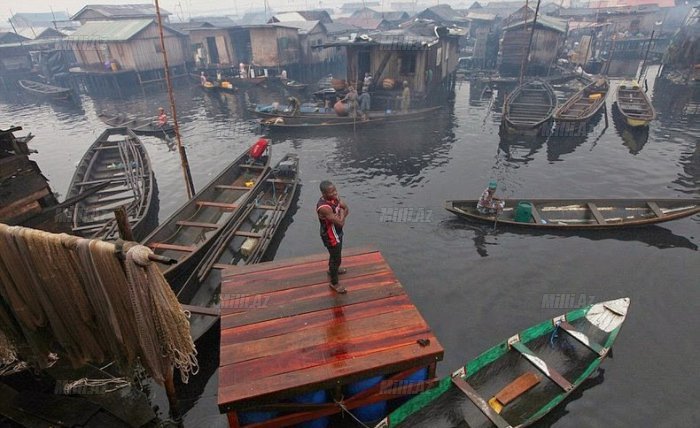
(474, 287)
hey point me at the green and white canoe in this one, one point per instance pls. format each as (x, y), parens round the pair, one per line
(519, 380)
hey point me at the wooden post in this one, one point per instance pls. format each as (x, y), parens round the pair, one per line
(172, 398)
(189, 184)
(125, 231)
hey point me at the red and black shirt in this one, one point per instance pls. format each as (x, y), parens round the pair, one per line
(331, 234)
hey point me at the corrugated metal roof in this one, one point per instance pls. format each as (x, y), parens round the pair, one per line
(113, 31)
(289, 17)
(302, 26)
(121, 10)
(542, 21)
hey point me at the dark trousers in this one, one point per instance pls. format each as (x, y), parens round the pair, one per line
(334, 261)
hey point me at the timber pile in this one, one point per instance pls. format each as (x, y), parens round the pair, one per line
(100, 312)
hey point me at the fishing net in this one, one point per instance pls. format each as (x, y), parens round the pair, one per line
(75, 296)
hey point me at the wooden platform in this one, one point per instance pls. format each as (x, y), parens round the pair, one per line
(284, 331)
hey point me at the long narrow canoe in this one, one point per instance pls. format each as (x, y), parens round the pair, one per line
(189, 232)
(139, 126)
(281, 125)
(529, 106)
(634, 105)
(317, 117)
(44, 90)
(584, 104)
(244, 243)
(582, 213)
(521, 379)
(119, 158)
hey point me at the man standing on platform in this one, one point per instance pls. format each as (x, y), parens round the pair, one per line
(332, 213)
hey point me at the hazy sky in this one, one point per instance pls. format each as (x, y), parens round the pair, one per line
(181, 8)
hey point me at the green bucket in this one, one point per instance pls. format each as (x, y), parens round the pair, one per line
(523, 212)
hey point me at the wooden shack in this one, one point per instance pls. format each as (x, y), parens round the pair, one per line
(423, 54)
(126, 52)
(114, 12)
(25, 194)
(315, 63)
(547, 40)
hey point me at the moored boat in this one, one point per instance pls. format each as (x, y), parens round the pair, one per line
(138, 126)
(244, 242)
(518, 381)
(634, 105)
(46, 91)
(318, 117)
(584, 104)
(529, 107)
(580, 213)
(119, 158)
(189, 232)
(280, 124)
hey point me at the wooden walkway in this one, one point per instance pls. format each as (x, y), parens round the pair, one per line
(284, 331)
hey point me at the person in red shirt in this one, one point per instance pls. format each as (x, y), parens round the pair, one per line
(332, 213)
(162, 117)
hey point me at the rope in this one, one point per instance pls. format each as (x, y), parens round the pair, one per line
(345, 409)
(75, 386)
(60, 290)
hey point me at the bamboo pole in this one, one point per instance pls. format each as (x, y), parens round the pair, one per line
(189, 184)
(529, 44)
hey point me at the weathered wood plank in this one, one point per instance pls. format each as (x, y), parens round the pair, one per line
(326, 318)
(164, 246)
(197, 224)
(542, 366)
(224, 206)
(479, 401)
(596, 214)
(232, 394)
(341, 331)
(310, 305)
(655, 208)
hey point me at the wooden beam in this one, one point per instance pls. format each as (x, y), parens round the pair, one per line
(222, 205)
(536, 215)
(593, 346)
(474, 396)
(197, 224)
(596, 214)
(542, 366)
(655, 207)
(230, 187)
(173, 247)
(248, 234)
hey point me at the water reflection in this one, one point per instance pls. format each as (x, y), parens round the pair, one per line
(653, 235)
(520, 148)
(566, 139)
(632, 138)
(400, 150)
(560, 410)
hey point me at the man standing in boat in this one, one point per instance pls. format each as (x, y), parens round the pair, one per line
(405, 97)
(488, 203)
(332, 213)
(162, 117)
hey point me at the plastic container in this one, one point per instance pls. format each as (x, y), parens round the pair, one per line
(317, 397)
(523, 212)
(371, 412)
(246, 418)
(410, 384)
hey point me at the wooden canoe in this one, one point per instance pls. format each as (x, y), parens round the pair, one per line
(281, 125)
(583, 213)
(189, 232)
(46, 91)
(584, 104)
(119, 158)
(315, 115)
(518, 381)
(247, 82)
(139, 126)
(244, 242)
(634, 105)
(529, 106)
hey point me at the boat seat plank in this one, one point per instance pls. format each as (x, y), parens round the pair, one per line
(542, 366)
(248, 234)
(222, 205)
(266, 207)
(593, 346)
(221, 266)
(173, 247)
(655, 207)
(260, 167)
(536, 215)
(277, 180)
(230, 187)
(475, 398)
(197, 224)
(596, 214)
(513, 390)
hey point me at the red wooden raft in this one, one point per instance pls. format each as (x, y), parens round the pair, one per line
(284, 332)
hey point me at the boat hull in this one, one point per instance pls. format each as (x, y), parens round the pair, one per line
(518, 381)
(582, 214)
